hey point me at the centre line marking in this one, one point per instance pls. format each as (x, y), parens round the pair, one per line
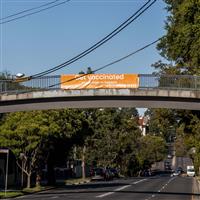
(120, 188)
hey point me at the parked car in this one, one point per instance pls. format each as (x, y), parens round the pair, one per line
(97, 174)
(109, 175)
(101, 173)
(146, 172)
(115, 172)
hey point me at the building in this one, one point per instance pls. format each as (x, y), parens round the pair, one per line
(143, 124)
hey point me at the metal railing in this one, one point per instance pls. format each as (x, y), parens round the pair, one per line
(146, 81)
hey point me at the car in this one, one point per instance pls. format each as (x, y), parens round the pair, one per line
(114, 172)
(109, 175)
(169, 156)
(146, 172)
(97, 174)
(101, 174)
(180, 169)
(176, 173)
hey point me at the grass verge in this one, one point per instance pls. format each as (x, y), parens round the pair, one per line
(10, 194)
(76, 181)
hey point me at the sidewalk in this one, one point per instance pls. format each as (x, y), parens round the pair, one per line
(196, 188)
(16, 193)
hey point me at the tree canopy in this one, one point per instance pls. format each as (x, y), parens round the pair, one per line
(181, 43)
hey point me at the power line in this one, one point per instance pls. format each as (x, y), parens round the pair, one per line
(131, 19)
(109, 64)
(24, 11)
(38, 11)
(101, 42)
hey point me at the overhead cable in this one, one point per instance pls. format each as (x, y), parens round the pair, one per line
(122, 26)
(32, 13)
(109, 64)
(30, 9)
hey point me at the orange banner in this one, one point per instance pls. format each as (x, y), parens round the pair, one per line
(99, 81)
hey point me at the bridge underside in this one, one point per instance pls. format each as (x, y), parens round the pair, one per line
(99, 102)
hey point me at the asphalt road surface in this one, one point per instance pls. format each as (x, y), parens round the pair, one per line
(151, 188)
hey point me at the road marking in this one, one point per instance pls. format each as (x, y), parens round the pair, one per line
(122, 188)
(119, 189)
(162, 188)
(138, 181)
(104, 195)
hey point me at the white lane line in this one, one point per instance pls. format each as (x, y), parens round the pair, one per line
(139, 181)
(120, 188)
(162, 188)
(104, 195)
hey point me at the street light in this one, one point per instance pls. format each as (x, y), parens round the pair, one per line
(20, 75)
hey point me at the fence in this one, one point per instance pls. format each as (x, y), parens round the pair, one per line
(146, 81)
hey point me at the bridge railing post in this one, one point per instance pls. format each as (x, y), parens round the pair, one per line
(195, 82)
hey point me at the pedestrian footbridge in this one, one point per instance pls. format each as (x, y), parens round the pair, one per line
(176, 92)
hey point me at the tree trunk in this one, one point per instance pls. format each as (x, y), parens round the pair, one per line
(38, 179)
(28, 180)
(83, 162)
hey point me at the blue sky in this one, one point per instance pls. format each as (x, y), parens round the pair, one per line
(44, 40)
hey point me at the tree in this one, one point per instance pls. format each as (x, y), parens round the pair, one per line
(180, 47)
(22, 132)
(182, 42)
(159, 120)
(45, 136)
(89, 71)
(152, 149)
(114, 141)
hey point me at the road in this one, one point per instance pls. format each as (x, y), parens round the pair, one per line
(151, 188)
(183, 162)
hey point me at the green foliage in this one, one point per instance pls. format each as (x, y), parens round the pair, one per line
(182, 42)
(162, 122)
(117, 141)
(181, 46)
(35, 134)
(152, 149)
